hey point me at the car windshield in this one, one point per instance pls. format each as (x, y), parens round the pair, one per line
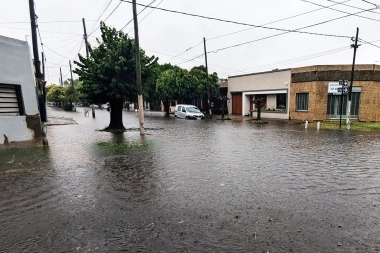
(192, 109)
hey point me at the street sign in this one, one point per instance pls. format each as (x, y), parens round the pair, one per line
(343, 82)
(345, 89)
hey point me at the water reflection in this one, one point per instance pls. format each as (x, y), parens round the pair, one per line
(219, 186)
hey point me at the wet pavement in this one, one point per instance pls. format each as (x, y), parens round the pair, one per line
(191, 186)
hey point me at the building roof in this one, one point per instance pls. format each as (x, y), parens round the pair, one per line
(339, 67)
(259, 73)
(223, 84)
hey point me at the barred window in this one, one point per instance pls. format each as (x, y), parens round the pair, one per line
(302, 101)
(11, 100)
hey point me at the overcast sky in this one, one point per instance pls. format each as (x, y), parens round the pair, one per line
(232, 48)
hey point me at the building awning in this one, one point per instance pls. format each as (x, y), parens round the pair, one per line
(265, 92)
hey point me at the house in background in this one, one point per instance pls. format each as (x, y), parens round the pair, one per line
(20, 123)
(313, 93)
(272, 87)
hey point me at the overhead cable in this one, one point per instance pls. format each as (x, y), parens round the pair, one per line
(377, 20)
(276, 21)
(240, 23)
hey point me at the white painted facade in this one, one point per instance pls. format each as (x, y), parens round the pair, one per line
(265, 83)
(16, 68)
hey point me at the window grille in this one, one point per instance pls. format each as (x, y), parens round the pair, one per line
(302, 101)
(11, 100)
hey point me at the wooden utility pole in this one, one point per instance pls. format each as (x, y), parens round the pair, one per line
(207, 83)
(38, 75)
(138, 71)
(355, 46)
(43, 79)
(85, 36)
(60, 71)
(37, 62)
(72, 103)
(86, 44)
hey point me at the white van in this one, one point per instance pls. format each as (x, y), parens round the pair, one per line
(188, 112)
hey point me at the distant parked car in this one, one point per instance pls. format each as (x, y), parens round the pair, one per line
(105, 106)
(188, 112)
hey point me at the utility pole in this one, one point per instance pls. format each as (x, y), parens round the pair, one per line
(355, 46)
(86, 44)
(38, 75)
(60, 71)
(34, 40)
(85, 36)
(207, 83)
(43, 77)
(72, 104)
(138, 71)
(43, 65)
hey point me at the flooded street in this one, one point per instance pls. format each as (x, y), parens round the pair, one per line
(191, 186)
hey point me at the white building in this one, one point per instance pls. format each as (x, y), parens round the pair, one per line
(272, 87)
(20, 124)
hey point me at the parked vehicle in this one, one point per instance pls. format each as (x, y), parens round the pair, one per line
(105, 106)
(188, 112)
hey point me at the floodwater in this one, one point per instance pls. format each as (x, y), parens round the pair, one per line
(193, 186)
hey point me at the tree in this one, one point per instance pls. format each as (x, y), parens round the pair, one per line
(55, 93)
(200, 73)
(109, 74)
(175, 83)
(179, 84)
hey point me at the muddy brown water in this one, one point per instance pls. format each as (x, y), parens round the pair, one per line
(194, 186)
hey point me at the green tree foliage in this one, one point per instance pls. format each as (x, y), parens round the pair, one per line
(55, 93)
(109, 74)
(200, 73)
(176, 83)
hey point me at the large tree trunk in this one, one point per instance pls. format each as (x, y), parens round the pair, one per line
(116, 117)
(166, 107)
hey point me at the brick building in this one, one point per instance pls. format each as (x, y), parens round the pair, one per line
(312, 95)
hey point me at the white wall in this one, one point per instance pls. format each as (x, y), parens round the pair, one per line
(16, 67)
(270, 83)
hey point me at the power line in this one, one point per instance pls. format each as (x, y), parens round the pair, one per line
(101, 14)
(275, 35)
(238, 23)
(137, 14)
(279, 20)
(68, 44)
(376, 5)
(185, 51)
(106, 18)
(147, 14)
(45, 22)
(298, 59)
(370, 43)
(276, 21)
(354, 7)
(340, 11)
(42, 44)
(56, 52)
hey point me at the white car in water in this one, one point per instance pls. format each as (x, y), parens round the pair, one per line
(188, 112)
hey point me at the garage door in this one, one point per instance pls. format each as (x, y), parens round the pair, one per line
(237, 103)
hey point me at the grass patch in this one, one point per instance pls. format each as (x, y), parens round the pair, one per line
(356, 126)
(121, 146)
(255, 121)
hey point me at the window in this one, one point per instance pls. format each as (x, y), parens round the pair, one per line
(11, 100)
(302, 101)
(334, 106)
(281, 101)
